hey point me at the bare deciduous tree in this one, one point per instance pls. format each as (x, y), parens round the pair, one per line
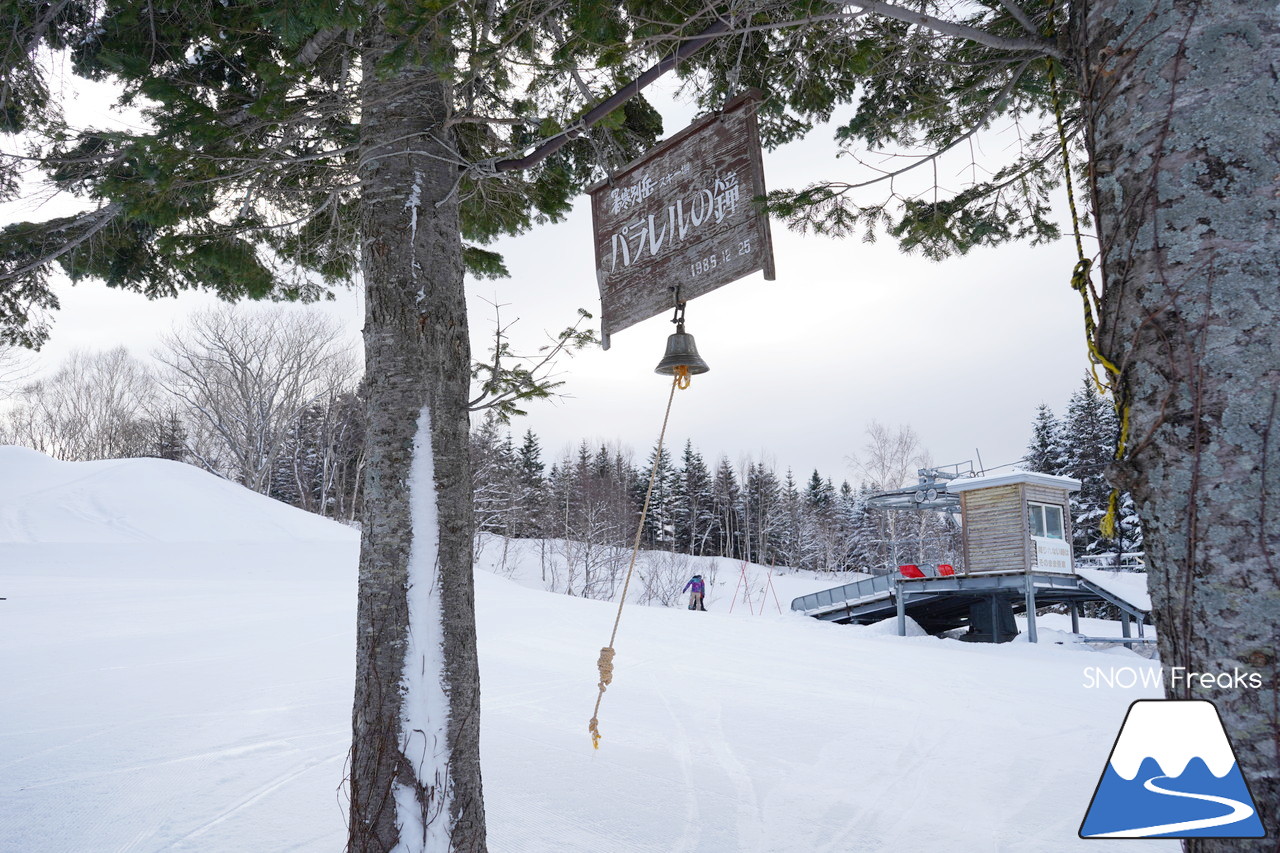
(15, 368)
(888, 460)
(662, 576)
(890, 457)
(246, 376)
(95, 406)
(321, 464)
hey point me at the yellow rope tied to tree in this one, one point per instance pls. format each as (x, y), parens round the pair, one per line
(1080, 282)
(605, 663)
(1108, 524)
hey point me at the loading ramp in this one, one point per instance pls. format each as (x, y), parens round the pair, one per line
(978, 600)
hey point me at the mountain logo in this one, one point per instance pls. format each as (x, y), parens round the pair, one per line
(1172, 774)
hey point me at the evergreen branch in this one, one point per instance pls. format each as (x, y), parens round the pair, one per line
(1037, 46)
(317, 45)
(263, 227)
(505, 386)
(996, 106)
(456, 160)
(97, 220)
(472, 119)
(1018, 14)
(30, 44)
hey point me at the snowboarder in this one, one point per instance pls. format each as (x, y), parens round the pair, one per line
(698, 591)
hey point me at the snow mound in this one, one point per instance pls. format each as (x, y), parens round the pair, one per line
(889, 628)
(1048, 635)
(121, 501)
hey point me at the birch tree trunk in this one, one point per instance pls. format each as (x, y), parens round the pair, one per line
(1182, 112)
(415, 770)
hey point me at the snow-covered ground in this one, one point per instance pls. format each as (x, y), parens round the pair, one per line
(177, 659)
(1131, 586)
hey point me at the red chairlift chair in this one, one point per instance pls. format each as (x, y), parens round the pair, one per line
(911, 571)
(945, 569)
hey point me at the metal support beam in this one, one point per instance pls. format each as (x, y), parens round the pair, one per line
(1129, 642)
(1126, 627)
(1075, 618)
(995, 618)
(1031, 611)
(902, 610)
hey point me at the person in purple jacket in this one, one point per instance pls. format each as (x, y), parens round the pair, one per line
(699, 590)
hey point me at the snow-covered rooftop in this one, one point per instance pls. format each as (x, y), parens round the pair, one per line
(1009, 478)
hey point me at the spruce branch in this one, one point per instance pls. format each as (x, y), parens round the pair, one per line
(508, 379)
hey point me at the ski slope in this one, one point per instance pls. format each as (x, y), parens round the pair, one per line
(191, 692)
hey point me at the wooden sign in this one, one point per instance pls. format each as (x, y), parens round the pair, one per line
(682, 216)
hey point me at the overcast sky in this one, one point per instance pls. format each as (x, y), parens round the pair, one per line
(963, 351)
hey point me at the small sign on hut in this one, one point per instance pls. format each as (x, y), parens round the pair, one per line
(682, 216)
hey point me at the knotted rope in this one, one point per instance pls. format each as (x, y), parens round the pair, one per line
(605, 663)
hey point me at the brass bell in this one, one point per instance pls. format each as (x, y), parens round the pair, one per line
(681, 352)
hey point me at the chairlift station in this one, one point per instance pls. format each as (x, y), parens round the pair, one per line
(1017, 556)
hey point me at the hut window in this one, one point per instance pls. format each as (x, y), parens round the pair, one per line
(1046, 520)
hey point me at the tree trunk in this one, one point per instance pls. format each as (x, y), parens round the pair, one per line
(415, 770)
(1182, 114)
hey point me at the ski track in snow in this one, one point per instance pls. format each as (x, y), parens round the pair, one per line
(261, 792)
(867, 821)
(689, 839)
(63, 483)
(233, 752)
(95, 732)
(747, 799)
(139, 841)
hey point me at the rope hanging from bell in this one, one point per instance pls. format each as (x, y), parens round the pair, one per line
(680, 362)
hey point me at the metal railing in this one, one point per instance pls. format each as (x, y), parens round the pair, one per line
(850, 593)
